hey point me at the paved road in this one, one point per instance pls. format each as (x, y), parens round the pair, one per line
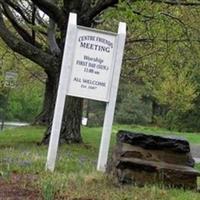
(195, 150)
(15, 124)
(12, 125)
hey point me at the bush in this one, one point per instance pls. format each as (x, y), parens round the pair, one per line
(25, 102)
(133, 106)
(134, 110)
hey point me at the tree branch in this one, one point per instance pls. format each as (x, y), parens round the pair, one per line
(139, 13)
(22, 32)
(45, 60)
(151, 40)
(51, 10)
(33, 18)
(100, 6)
(175, 3)
(17, 9)
(55, 50)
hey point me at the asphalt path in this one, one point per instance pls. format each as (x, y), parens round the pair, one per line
(195, 151)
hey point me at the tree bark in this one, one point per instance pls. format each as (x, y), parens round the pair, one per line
(45, 117)
(70, 129)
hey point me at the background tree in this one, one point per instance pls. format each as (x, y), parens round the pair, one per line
(23, 101)
(41, 38)
(162, 57)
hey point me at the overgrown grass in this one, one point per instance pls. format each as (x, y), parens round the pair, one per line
(75, 176)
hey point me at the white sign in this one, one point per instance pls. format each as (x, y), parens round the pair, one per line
(10, 79)
(92, 67)
(84, 121)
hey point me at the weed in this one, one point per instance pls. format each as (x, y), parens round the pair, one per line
(48, 189)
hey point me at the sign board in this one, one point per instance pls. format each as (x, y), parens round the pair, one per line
(10, 79)
(84, 121)
(90, 69)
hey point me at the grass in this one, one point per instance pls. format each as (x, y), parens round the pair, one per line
(193, 138)
(75, 176)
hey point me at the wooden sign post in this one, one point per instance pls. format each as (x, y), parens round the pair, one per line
(90, 69)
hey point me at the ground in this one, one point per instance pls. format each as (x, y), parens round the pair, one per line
(22, 174)
(18, 187)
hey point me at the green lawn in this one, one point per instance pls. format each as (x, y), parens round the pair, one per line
(75, 176)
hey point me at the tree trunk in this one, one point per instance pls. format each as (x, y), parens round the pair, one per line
(45, 117)
(70, 129)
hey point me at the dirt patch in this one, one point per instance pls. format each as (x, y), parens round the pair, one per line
(70, 198)
(19, 187)
(83, 199)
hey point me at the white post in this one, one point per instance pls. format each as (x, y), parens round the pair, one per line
(62, 89)
(110, 107)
